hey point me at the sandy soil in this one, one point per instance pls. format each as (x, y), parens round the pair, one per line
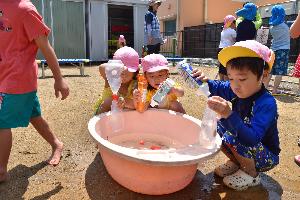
(82, 175)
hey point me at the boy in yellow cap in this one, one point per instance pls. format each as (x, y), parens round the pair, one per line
(248, 129)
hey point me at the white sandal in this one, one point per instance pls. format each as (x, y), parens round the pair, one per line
(226, 169)
(240, 180)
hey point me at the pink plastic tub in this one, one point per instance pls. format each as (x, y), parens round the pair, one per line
(129, 159)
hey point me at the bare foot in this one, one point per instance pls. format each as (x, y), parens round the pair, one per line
(56, 154)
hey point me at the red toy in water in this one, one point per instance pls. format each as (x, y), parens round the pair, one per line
(154, 147)
(142, 142)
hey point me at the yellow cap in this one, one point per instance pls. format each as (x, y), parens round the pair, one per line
(248, 48)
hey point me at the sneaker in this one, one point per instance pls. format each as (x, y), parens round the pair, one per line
(226, 169)
(240, 180)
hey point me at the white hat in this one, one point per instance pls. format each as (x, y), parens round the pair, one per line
(152, 2)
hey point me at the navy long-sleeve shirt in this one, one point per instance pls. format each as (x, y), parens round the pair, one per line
(245, 31)
(253, 119)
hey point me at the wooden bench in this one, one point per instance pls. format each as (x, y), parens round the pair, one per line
(76, 62)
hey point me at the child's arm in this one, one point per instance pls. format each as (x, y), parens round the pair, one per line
(216, 88)
(60, 86)
(129, 103)
(137, 96)
(295, 28)
(258, 20)
(102, 73)
(249, 134)
(177, 90)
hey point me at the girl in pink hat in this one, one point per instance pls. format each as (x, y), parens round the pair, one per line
(130, 59)
(155, 67)
(228, 36)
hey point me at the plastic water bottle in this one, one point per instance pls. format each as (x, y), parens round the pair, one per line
(207, 136)
(142, 87)
(162, 92)
(113, 70)
(186, 70)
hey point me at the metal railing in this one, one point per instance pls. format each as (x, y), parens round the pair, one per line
(203, 41)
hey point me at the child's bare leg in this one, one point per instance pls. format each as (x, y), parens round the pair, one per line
(228, 155)
(5, 145)
(177, 107)
(247, 164)
(277, 82)
(44, 130)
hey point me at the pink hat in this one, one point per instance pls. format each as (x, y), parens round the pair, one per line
(129, 57)
(154, 63)
(248, 48)
(228, 20)
(122, 39)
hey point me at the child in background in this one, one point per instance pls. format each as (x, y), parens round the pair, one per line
(280, 45)
(245, 30)
(257, 20)
(156, 70)
(121, 41)
(228, 36)
(22, 33)
(249, 130)
(130, 59)
(295, 33)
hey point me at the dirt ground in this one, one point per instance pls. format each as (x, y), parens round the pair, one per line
(82, 174)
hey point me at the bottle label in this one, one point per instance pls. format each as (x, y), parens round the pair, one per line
(186, 71)
(162, 91)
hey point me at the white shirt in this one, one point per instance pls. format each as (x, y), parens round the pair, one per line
(228, 36)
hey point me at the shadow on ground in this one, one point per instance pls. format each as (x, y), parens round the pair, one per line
(100, 185)
(288, 98)
(16, 187)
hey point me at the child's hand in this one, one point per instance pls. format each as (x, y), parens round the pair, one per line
(199, 75)
(178, 91)
(220, 106)
(60, 86)
(137, 96)
(121, 103)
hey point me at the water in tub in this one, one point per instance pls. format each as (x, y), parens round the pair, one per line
(145, 141)
(149, 145)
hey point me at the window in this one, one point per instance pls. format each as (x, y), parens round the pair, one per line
(170, 27)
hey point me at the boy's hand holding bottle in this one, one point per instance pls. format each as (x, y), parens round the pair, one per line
(220, 106)
(177, 91)
(199, 75)
(215, 103)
